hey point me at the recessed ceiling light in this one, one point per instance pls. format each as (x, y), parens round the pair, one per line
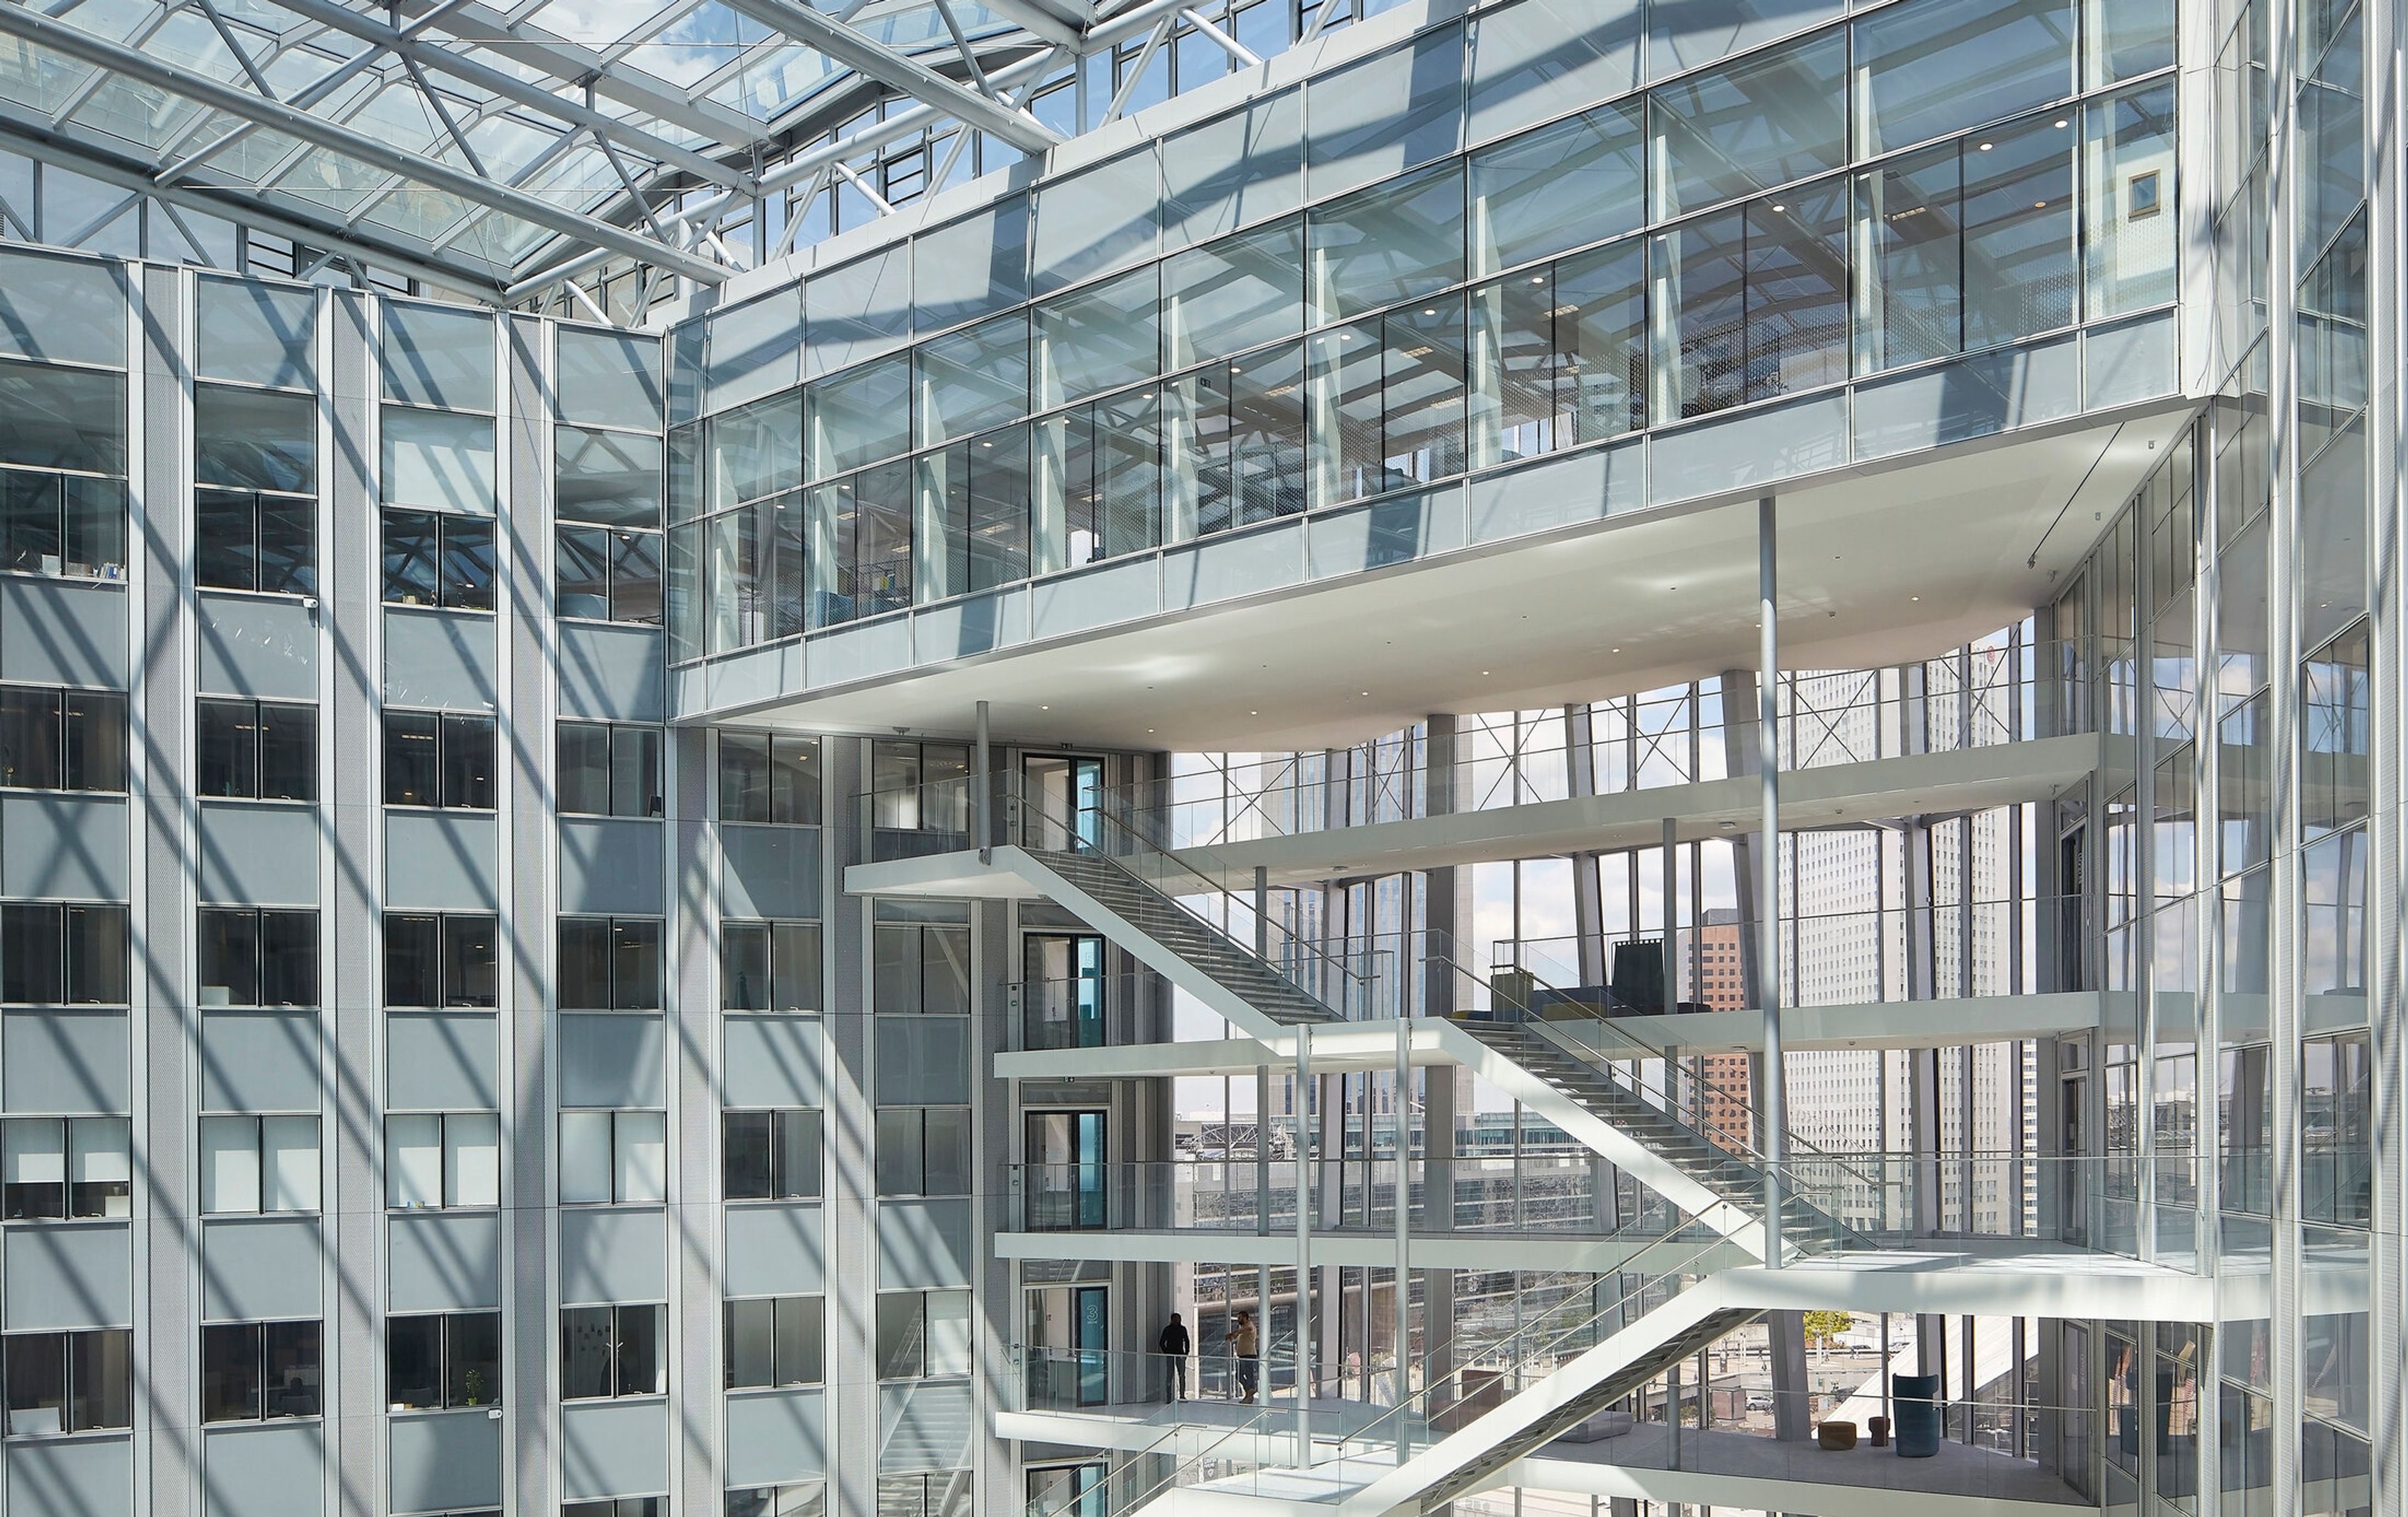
(1914, 598)
(2060, 124)
(1778, 208)
(1045, 708)
(1985, 147)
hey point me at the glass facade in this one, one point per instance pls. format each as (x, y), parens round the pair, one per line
(1412, 302)
(569, 1087)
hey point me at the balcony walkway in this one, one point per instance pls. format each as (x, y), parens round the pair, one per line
(1915, 784)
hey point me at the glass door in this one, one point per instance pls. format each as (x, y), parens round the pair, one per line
(1065, 1171)
(1069, 1329)
(1068, 792)
(2074, 1192)
(1068, 1490)
(1061, 991)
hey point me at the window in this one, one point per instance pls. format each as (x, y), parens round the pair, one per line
(69, 1383)
(807, 1498)
(258, 958)
(259, 751)
(607, 497)
(611, 1352)
(437, 759)
(774, 1342)
(924, 1151)
(944, 1492)
(260, 1370)
(769, 967)
(919, 787)
(440, 960)
(770, 1155)
(614, 1156)
(923, 1334)
(625, 1506)
(923, 970)
(610, 964)
(259, 1164)
(79, 1166)
(61, 739)
(435, 558)
(62, 524)
(766, 779)
(442, 1159)
(61, 955)
(245, 540)
(2336, 1130)
(609, 770)
(440, 1359)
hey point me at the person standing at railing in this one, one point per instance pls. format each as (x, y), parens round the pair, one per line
(1246, 1344)
(1175, 1345)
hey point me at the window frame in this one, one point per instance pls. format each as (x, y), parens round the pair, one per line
(615, 1156)
(778, 953)
(72, 1347)
(72, 755)
(450, 592)
(451, 931)
(266, 949)
(73, 964)
(20, 1201)
(450, 1156)
(258, 741)
(653, 997)
(616, 1315)
(267, 1336)
(813, 1308)
(449, 729)
(265, 1177)
(647, 766)
(298, 575)
(448, 1396)
(774, 1161)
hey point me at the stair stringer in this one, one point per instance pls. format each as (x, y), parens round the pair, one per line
(1743, 1227)
(1627, 1357)
(1143, 946)
(1650, 1168)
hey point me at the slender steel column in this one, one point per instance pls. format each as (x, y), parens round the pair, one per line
(1767, 870)
(1303, 1248)
(981, 791)
(1404, 1225)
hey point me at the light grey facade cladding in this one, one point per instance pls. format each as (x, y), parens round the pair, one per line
(504, 1106)
(407, 1150)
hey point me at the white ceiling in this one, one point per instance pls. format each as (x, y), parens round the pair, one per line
(1884, 565)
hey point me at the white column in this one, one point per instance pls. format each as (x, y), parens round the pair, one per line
(1767, 868)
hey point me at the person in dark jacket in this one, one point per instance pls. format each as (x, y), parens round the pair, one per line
(1175, 1345)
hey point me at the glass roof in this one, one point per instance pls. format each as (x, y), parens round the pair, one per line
(490, 147)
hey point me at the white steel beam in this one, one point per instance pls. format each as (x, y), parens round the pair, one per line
(53, 149)
(18, 22)
(875, 59)
(342, 18)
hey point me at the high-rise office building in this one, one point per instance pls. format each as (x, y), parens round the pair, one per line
(1616, 730)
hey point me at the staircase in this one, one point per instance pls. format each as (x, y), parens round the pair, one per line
(1577, 1073)
(1200, 950)
(1486, 1452)
(1575, 1361)
(1560, 1372)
